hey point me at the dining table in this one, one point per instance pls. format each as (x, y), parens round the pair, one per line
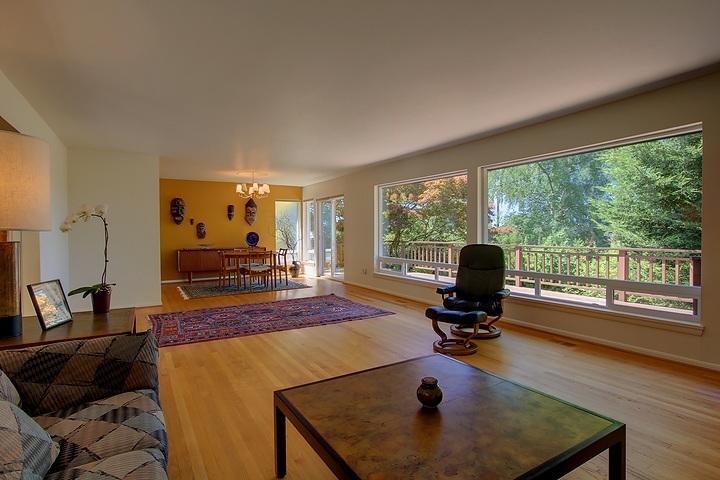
(250, 262)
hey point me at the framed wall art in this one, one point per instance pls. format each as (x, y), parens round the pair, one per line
(50, 303)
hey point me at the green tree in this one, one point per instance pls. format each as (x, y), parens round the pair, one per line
(548, 202)
(654, 198)
(430, 211)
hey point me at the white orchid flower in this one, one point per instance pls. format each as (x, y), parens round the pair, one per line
(65, 227)
(101, 209)
(85, 212)
(71, 219)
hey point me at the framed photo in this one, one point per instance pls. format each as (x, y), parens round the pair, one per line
(50, 303)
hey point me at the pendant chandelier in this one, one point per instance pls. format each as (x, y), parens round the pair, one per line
(254, 190)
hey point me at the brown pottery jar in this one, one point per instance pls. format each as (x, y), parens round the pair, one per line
(429, 392)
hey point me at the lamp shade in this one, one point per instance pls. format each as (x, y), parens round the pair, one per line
(24, 205)
(24, 182)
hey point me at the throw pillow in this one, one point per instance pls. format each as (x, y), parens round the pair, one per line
(8, 392)
(26, 450)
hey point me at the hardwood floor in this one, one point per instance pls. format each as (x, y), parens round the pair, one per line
(217, 395)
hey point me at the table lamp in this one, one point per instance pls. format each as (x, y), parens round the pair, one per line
(24, 205)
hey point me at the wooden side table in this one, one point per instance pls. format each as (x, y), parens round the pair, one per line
(83, 325)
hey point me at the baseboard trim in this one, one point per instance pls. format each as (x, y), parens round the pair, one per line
(616, 345)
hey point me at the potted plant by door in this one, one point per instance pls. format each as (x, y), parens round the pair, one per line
(295, 267)
(100, 293)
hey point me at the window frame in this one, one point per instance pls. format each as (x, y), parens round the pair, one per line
(610, 285)
(405, 263)
(308, 233)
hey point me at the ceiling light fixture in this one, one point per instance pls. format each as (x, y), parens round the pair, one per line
(254, 190)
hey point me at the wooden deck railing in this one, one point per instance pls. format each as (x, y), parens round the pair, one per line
(434, 252)
(665, 266)
(676, 267)
(567, 269)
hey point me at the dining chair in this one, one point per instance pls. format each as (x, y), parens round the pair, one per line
(260, 264)
(242, 255)
(228, 270)
(281, 266)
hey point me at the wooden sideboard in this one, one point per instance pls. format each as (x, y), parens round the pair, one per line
(191, 260)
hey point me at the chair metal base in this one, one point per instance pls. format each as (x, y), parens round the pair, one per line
(485, 331)
(454, 346)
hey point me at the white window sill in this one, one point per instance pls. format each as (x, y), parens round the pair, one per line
(690, 328)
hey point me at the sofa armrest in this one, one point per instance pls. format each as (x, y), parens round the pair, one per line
(64, 374)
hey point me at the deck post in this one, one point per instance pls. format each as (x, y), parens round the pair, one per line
(518, 262)
(695, 267)
(622, 271)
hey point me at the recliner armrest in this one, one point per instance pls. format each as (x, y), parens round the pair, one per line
(502, 294)
(446, 289)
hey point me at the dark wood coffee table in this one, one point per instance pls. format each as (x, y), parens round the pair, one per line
(370, 425)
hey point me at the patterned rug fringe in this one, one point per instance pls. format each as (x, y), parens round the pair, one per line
(212, 289)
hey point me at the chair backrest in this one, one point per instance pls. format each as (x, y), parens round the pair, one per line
(224, 261)
(261, 257)
(281, 258)
(481, 271)
(249, 249)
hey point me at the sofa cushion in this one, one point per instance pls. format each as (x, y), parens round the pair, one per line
(103, 428)
(8, 392)
(144, 464)
(26, 450)
(59, 375)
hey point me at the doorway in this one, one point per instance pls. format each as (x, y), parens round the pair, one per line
(331, 248)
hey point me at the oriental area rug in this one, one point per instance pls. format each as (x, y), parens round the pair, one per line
(192, 326)
(212, 289)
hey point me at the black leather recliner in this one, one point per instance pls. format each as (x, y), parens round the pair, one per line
(474, 303)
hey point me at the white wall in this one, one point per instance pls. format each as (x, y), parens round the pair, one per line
(689, 102)
(44, 254)
(129, 184)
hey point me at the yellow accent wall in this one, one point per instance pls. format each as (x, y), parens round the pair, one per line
(207, 202)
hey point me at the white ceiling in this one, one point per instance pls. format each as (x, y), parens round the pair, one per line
(306, 90)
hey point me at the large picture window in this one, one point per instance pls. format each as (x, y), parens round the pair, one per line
(422, 226)
(616, 226)
(287, 226)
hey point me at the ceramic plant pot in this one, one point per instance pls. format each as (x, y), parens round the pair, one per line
(294, 269)
(101, 301)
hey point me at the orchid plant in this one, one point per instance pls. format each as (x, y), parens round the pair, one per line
(85, 213)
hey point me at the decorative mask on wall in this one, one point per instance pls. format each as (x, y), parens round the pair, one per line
(231, 212)
(177, 210)
(250, 212)
(200, 229)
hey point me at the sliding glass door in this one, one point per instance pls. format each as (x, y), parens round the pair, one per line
(331, 249)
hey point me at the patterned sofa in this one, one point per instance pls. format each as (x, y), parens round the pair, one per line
(82, 409)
